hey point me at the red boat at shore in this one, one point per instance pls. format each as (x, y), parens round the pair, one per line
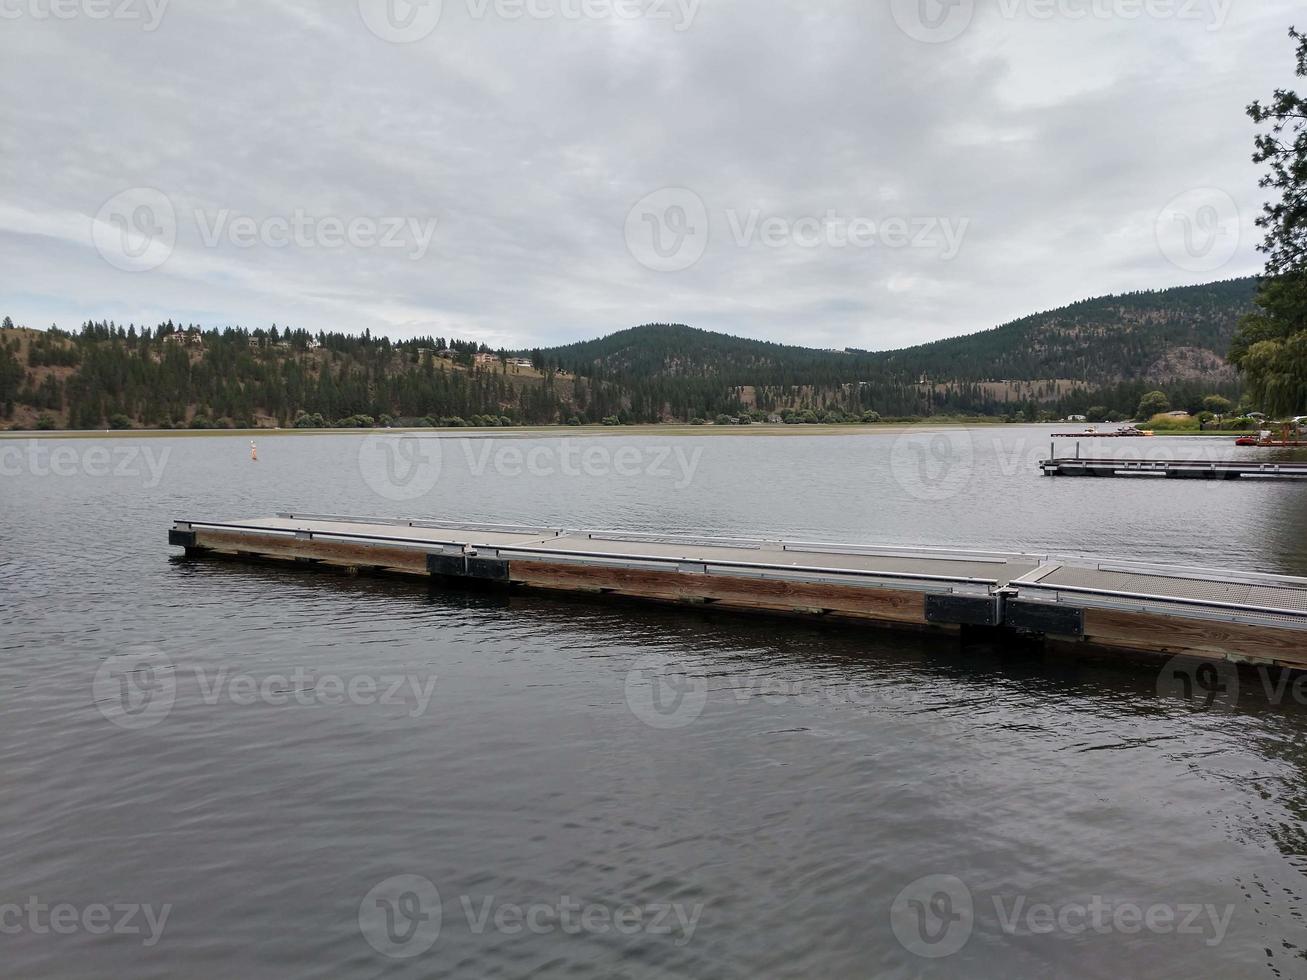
(1291, 436)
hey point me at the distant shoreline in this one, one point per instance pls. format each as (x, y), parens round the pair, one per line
(679, 429)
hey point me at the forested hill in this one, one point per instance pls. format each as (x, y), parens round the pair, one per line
(1153, 335)
(1101, 353)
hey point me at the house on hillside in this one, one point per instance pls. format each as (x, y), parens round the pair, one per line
(485, 360)
(185, 338)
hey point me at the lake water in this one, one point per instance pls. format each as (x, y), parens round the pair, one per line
(344, 777)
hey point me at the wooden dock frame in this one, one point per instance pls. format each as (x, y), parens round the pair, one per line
(1172, 469)
(1120, 606)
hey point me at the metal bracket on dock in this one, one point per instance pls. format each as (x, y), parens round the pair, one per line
(468, 566)
(957, 610)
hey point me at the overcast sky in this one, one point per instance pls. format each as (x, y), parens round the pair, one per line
(870, 173)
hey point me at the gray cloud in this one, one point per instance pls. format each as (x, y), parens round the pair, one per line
(1057, 132)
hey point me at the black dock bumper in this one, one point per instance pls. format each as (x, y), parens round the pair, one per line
(960, 610)
(1044, 617)
(181, 539)
(468, 566)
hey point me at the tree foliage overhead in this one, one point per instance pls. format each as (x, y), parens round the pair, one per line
(1270, 348)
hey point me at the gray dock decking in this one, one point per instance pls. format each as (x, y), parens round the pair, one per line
(1127, 604)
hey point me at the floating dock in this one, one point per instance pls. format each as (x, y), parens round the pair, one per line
(1175, 469)
(1120, 605)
